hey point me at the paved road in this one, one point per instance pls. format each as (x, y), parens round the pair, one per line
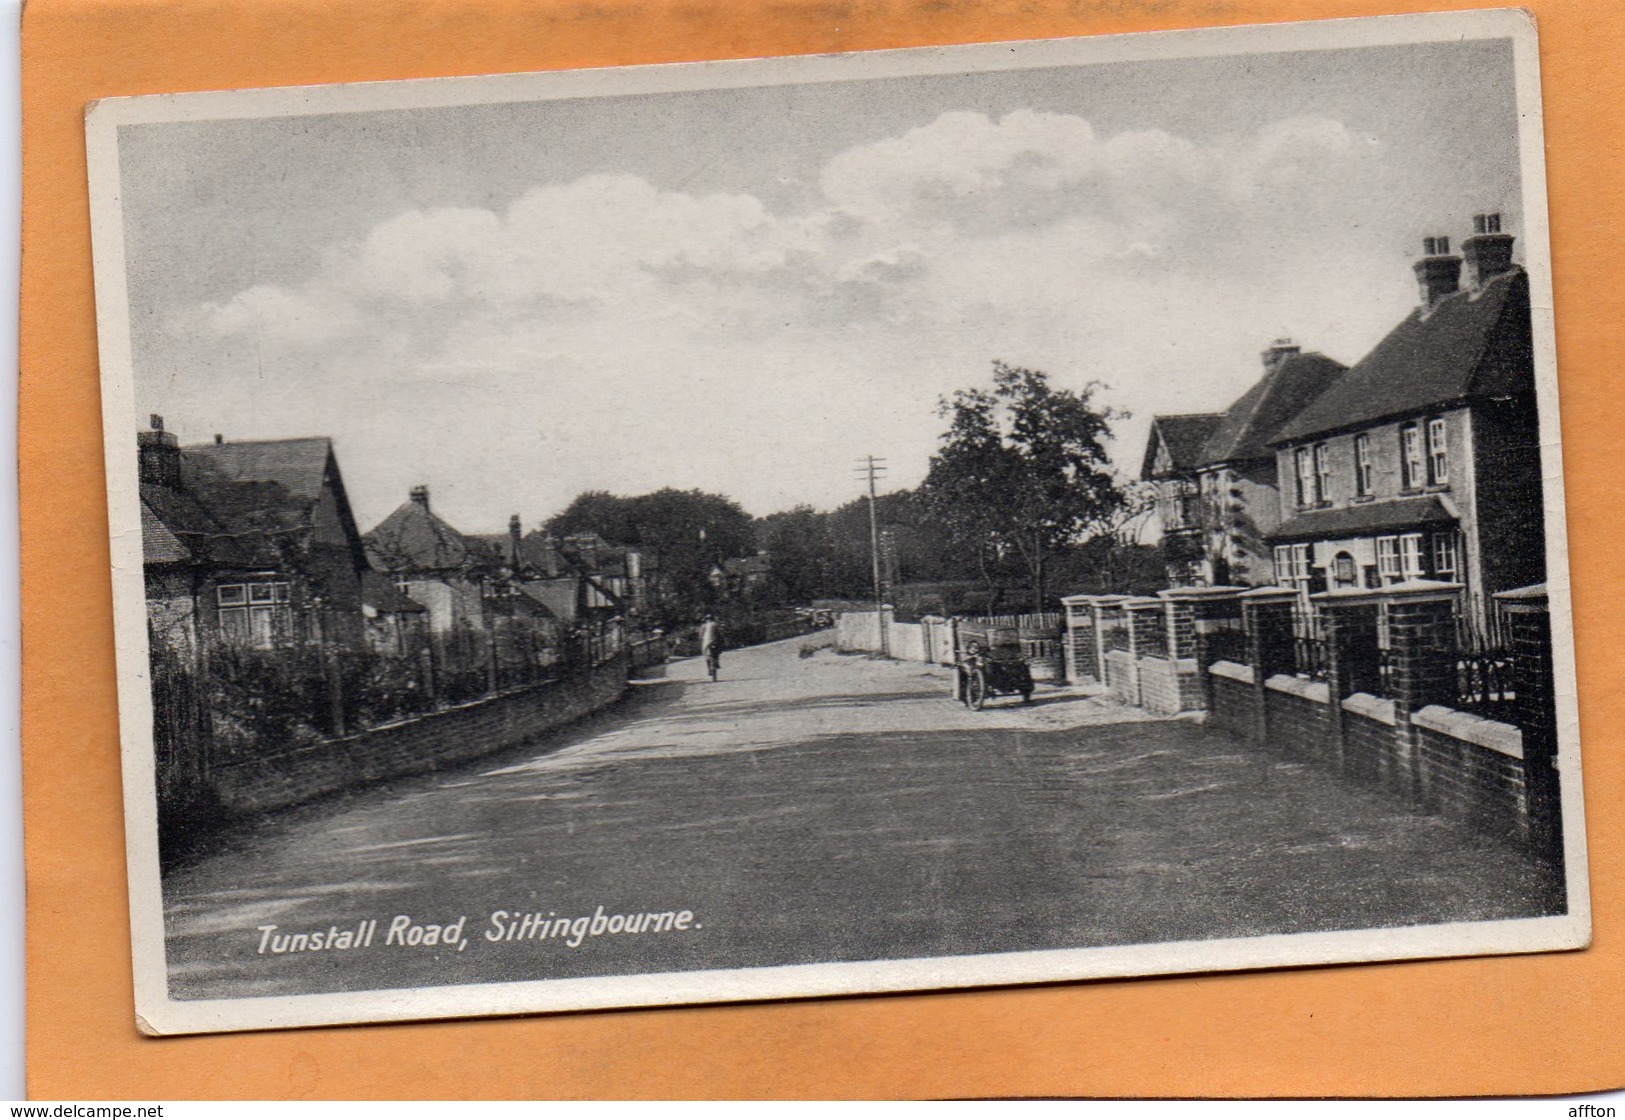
(823, 807)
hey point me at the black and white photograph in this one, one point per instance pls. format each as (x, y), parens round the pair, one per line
(882, 522)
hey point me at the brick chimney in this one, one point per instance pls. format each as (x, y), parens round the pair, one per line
(1488, 252)
(420, 495)
(1279, 351)
(1438, 273)
(160, 455)
(515, 536)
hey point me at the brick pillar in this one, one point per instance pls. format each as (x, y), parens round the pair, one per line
(1422, 659)
(1352, 656)
(1082, 646)
(1529, 633)
(1145, 625)
(1189, 609)
(1101, 606)
(1267, 616)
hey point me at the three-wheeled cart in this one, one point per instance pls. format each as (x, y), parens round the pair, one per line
(992, 665)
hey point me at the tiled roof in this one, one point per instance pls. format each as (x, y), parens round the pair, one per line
(1183, 436)
(557, 595)
(1472, 344)
(379, 592)
(412, 539)
(158, 544)
(1365, 519)
(1246, 428)
(299, 465)
(174, 520)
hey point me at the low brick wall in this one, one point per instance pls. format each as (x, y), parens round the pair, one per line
(1373, 747)
(1235, 699)
(1168, 687)
(276, 780)
(1122, 677)
(1472, 769)
(1298, 716)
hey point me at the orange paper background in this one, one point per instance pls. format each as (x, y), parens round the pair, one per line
(1535, 1024)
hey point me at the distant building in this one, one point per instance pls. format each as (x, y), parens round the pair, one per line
(1173, 461)
(473, 587)
(436, 566)
(1423, 460)
(1238, 477)
(1216, 473)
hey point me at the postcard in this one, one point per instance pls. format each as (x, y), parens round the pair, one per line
(883, 522)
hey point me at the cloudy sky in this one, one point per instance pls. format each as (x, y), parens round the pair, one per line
(746, 290)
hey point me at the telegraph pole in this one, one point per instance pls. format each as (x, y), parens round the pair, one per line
(872, 468)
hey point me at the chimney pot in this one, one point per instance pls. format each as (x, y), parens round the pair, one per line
(1278, 352)
(219, 439)
(420, 495)
(1438, 274)
(156, 422)
(1488, 252)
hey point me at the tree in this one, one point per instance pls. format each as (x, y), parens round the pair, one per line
(1022, 471)
(689, 532)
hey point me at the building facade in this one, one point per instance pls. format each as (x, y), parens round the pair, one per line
(1216, 473)
(1423, 461)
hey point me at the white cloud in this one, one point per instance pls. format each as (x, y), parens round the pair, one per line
(651, 337)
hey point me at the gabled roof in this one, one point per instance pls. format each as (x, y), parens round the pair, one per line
(557, 595)
(299, 465)
(180, 526)
(1184, 437)
(412, 539)
(1472, 344)
(1246, 428)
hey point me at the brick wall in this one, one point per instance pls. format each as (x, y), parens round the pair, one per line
(1122, 677)
(1235, 700)
(1372, 748)
(1169, 687)
(1299, 720)
(1472, 769)
(277, 779)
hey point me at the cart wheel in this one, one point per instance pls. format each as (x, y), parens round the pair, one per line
(976, 691)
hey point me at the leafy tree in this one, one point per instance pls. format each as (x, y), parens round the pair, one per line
(689, 532)
(1022, 472)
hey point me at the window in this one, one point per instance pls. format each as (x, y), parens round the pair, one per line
(1323, 474)
(1306, 478)
(253, 614)
(1438, 452)
(1344, 573)
(1410, 455)
(1410, 556)
(1363, 467)
(1292, 565)
(1446, 566)
(1388, 559)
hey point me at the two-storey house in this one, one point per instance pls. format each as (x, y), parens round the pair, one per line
(1173, 459)
(1423, 460)
(1216, 473)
